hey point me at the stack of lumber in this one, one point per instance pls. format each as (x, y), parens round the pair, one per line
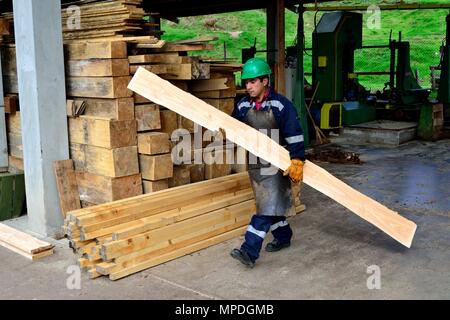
(128, 236)
(102, 19)
(103, 140)
(192, 74)
(96, 19)
(24, 244)
(155, 160)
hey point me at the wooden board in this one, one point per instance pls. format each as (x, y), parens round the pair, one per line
(97, 68)
(98, 87)
(153, 186)
(156, 167)
(116, 109)
(97, 189)
(171, 47)
(166, 58)
(162, 92)
(184, 71)
(22, 241)
(208, 85)
(102, 132)
(147, 117)
(169, 121)
(66, 183)
(118, 162)
(96, 50)
(152, 143)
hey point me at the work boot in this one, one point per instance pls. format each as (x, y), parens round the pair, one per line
(275, 245)
(243, 257)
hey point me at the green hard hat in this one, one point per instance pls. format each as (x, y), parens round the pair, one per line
(254, 68)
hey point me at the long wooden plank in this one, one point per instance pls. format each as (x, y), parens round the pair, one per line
(66, 183)
(22, 241)
(164, 93)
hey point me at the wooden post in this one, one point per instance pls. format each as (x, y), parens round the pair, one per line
(276, 43)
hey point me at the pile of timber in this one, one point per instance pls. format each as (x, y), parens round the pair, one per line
(127, 236)
(101, 121)
(215, 83)
(23, 243)
(102, 19)
(96, 19)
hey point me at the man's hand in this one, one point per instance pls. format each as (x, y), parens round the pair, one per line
(295, 170)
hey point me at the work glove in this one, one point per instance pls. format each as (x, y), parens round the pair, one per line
(295, 170)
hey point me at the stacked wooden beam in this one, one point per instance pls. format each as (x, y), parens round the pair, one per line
(103, 141)
(127, 236)
(23, 243)
(217, 87)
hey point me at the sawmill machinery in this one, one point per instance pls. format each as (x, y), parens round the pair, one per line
(340, 100)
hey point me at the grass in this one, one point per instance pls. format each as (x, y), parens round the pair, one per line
(424, 29)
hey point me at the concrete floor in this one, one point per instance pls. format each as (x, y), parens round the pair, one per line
(330, 253)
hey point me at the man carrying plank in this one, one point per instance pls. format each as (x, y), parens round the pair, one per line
(273, 114)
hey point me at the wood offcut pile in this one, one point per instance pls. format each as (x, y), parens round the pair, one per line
(127, 236)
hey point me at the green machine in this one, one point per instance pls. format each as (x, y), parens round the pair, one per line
(340, 100)
(339, 97)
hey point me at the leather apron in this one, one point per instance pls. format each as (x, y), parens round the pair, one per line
(273, 193)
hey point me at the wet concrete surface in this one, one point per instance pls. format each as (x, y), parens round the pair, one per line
(330, 253)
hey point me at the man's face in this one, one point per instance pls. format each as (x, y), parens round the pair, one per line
(255, 87)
